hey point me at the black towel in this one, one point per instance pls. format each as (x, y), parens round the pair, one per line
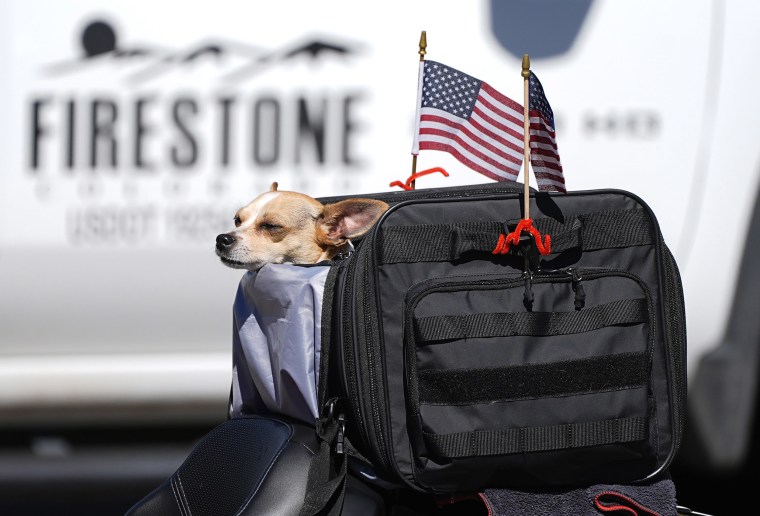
(655, 498)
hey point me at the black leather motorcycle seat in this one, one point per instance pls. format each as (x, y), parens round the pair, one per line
(247, 466)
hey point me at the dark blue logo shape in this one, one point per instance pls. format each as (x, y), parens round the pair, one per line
(541, 28)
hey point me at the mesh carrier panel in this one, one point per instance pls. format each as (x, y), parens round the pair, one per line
(228, 465)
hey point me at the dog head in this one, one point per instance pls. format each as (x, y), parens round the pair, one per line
(290, 227)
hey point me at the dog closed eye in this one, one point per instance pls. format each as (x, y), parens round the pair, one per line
(269, 226)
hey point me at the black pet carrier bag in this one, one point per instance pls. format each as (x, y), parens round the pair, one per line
(451, 366)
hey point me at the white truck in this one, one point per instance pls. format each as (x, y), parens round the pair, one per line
(130, 133)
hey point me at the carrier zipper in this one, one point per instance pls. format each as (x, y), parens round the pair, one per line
(542, 276)
(347, 344)
(413, 195)
(675, 332)
(358, 344)
(377, 417)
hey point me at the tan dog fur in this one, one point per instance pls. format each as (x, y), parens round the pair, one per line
(290, 227)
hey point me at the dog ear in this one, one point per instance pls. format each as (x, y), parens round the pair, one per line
(273, 188)
(348, 219)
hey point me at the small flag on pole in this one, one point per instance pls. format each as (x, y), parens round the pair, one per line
(470, 120)
(544, 156)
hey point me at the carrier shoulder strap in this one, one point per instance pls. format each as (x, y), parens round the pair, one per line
(326, 486)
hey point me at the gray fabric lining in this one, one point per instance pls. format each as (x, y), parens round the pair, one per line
(276, 341)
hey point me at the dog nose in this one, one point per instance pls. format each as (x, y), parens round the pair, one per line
(225, 241)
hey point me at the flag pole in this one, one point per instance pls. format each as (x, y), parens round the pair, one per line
(422, 52)
(526, 132)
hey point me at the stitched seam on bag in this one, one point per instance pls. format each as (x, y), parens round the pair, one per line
(656, 427)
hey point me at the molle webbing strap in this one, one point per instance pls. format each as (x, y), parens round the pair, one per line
(539, 324)
(536, 439)
(447, 242)
(498, 384)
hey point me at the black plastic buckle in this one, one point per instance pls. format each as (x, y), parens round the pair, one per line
(340, 438)
(327, 416)
(509, 226)
(331, 415)
(330, 408)
(530, 252)
(526, 247)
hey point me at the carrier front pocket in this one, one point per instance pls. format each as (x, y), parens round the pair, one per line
(517, 370)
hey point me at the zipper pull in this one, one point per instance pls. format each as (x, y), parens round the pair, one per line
(528, 295)
(341, 256)
(580, 294)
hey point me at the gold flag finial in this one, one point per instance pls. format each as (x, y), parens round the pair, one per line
(423, 45)
(525, 66)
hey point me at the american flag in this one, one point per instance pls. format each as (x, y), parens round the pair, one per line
(469, 119)
(544, 156)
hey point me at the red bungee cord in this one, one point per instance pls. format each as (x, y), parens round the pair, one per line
(413, 177)
(505, 241)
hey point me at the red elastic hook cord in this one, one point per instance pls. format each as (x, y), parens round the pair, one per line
(413, 177)
(612, 501)
(505, 241)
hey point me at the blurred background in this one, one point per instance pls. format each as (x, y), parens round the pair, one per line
(130, 133)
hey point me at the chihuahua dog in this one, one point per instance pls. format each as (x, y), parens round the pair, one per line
(290, 227)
